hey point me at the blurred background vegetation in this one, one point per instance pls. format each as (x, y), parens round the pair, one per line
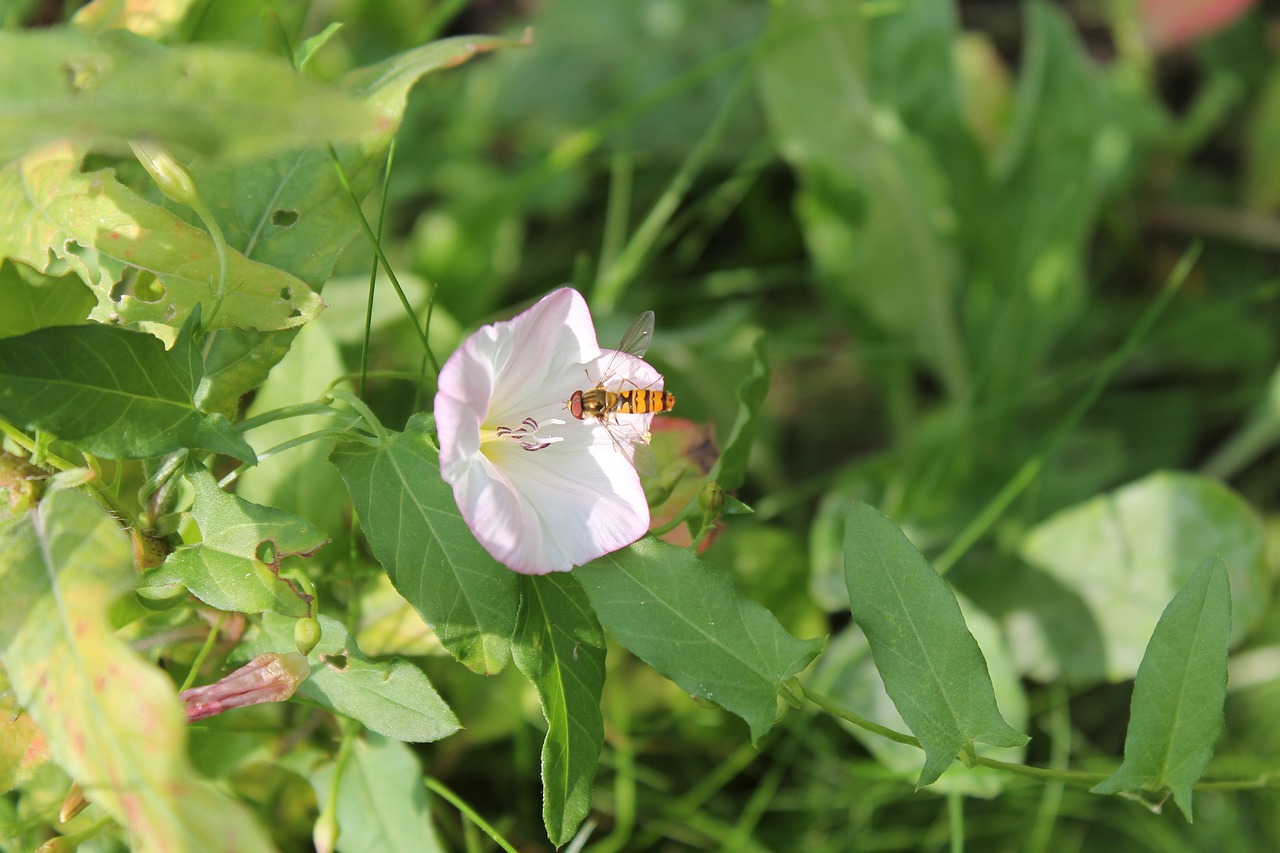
(946, 220)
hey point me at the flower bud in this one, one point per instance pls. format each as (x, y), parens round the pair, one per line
(306, 633)
(267, 678)
(72, 804)
(168, 174)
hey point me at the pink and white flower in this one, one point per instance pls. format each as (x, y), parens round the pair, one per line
(541, 490)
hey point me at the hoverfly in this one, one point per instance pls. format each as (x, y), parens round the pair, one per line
(605, 405)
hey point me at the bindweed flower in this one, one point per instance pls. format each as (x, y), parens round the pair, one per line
(267, 678)
(541, 490)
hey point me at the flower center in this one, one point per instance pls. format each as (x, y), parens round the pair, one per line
(525, 434)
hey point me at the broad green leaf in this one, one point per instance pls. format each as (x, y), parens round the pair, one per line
(299, 480)
(872, 205)
(23, 749)
(217, 101)
(51, 211)
(1125, 555)
(236, 563)
(291, 212)
(381, 801)
(111, 392)
(112, 720)
(30, 301)
(693, 624)
(731, 468)
(417, 533)
(1176, 716)
(932, 667)
(559, 646)
(393, 698)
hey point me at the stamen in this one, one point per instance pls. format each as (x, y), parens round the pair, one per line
(526, 435)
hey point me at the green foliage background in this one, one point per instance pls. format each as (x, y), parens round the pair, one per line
(1005, 273)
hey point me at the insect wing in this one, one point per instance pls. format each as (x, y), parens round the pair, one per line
(635, 341)
(632, 444)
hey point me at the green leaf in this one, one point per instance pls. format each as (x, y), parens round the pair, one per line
(226, 568)
(50, 211)
(1176, 715)
(418, 535)
(873, 205)
(393, 698)
(30, 301)
(692, 624)
(559, 646)
(1262, 184)
(111, 392)
(59, 84)
(1125, 555)
(382, 805)
(932, 667)
(730, 469)
(112, 720)
(291, 212)
(23, 749)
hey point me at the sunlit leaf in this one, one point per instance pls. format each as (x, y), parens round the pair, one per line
(111, 392)
(393, 698)
(1125, 554)
(692, 623)
(559, 646)
(112, 721)
(418, 535)
(50, 211)
(381, 801)
(151, 18)
(229, 568)
(23, 749)
(1176, 716)
(932, 667)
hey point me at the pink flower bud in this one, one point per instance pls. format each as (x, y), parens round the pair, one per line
(267, 678)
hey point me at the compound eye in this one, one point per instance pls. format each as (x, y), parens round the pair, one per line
(575, 405)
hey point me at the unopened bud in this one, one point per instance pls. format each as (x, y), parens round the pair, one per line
(306, 633)
(711, 499)
(267, 678)
(72, 804)
(168, 174)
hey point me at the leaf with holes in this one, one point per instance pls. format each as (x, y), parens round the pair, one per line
(932, 667)
(559, 646)
(391, 697)
(417, 533)
(50, 211)
(112, 720)
(112, 392)
(236, 565)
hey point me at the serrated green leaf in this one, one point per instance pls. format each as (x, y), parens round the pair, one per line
(418, 535)
(104, 232)
(730, 469)
(693, 624)
(111, 392)
(30, 301)
(60, 84)
(112, 721)
(1125, 555)
(932, 667)
(559, 646)
(225, 568)
(393, 698)
(382, 805)
(1176, 715)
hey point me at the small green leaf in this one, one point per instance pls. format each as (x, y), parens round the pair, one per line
(418, 535)
(51, 211)
(112, 392)
(61, 84)
(730, 469)
(381, 801)
(932, 667)
(393, 698)
(559, 646)
(1176, 716)
(112, 720)
(226, 568)
(1126, 553)
(30, 301)
(692, 623)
